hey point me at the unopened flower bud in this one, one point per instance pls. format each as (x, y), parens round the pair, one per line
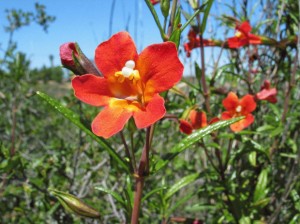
(74, 204)
(165, 7)
(73, 59)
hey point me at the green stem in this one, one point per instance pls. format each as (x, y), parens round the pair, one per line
(172, 17)
(190, 19)
(156, 19)
(127, 151)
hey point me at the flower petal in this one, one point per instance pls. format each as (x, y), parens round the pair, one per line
(110, 121)
(159, 66)
(66, 52)
(198, 119)
(226, 115)
(185, 127)
(111, 55)
(242, 124)
(265, 93)
(236, 42)
(231, 101)
(245, 27)
(254, 39)
(248, 104)
(154, 111)
(91, 89)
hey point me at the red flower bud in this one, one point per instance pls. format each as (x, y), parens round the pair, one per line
(73, 59)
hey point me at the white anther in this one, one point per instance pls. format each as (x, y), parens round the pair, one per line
(238, 109)
(126, 72)
(130, 64)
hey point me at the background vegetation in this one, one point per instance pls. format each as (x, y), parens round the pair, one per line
(247, 177)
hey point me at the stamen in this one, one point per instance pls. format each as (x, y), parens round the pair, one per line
(126, 71)
(130, 64)
(238, 109)
(239, 34)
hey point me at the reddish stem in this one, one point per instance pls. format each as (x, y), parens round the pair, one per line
(143, 171)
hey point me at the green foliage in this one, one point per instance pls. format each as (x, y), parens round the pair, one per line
(213, 175)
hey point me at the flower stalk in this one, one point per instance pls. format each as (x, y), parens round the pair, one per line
(143, 171)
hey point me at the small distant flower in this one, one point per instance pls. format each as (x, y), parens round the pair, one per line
(196, 120)
(194, 42)
(243, 36)
(130, 85)
(236, 107)
(154, 2)
(267, 93)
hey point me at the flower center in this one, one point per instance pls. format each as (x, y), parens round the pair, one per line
(128, 72)
(239, 34)
(238, 109)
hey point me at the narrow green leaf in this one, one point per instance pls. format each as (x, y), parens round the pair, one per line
(200, 207)
(190, 140)
(198, 71)
(260, 189)
(156, 19)
(205, 16)
(153, 192)
(175, 36)
(190, 20)
(261, 203)
(179, 203)
(180, 184)
(114, 194)
(75, 119)
(252, 158)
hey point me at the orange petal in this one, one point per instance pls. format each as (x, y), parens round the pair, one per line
(226, 115)
(91, 89)
(185, 127)
(248, 104)
(159, 66)
(231, 101)
(254, 39)
(154, 111)
(110, 121)
(235, 42)
(111, 55)
(242, 124)
(198, 119)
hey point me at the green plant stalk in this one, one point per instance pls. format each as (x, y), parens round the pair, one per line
(196, 13)
(172, 17)
(127, 152)
(156, 19)
(202, 60)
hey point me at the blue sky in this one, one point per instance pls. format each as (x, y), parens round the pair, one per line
(85, 22)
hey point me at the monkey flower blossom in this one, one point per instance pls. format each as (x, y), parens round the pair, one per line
(243, 36)
(194, 42)
(196, 120)
(267, 93)
(130, 85)
(239, 107)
